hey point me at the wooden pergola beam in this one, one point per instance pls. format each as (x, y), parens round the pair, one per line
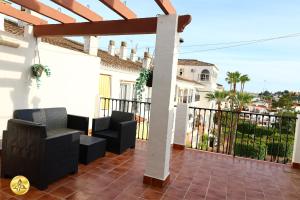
(12, 12)
(45, 10)
(113, 27)
(166, 6)
(120, 8)
(79, 9)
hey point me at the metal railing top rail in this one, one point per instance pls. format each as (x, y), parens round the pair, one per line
(243, 112)
(115, 99)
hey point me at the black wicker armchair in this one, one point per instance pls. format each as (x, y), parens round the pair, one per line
(42, 144)
(119, 130)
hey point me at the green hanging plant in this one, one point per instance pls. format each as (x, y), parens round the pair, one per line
(145, 78)
(37, 72)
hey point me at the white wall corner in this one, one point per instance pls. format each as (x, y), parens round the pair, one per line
(296, 152)
(181, 124)
(91, 44)
(2, 22)
(28, 31)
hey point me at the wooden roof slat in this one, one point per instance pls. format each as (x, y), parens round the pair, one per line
(79, 9)
(8, 10)
(166, 6)
(120, 8)
(45, 10)
(113, 27)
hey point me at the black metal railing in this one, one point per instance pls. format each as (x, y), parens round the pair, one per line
(140, 109)
(257, 136)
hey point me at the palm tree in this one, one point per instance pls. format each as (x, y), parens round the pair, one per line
(235, 79)
(218, 97)
(243, 79)
(242, 100)
(232, 78)
(229, 79)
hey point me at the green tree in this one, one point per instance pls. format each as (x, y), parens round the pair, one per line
(233, 78)
(229, 79)
(243, 99)
(218, 97)
(285, 101)
(243, 79)
(236, 78)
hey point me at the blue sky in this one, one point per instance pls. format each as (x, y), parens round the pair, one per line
(273, 65)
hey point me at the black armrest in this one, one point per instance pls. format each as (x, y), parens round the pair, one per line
(127, 127)
(100, 124)
(16, 126)
(78, 123)
(61, 155)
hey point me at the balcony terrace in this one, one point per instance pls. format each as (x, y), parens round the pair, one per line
(194, 175)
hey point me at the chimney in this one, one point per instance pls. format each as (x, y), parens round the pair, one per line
(111, 47)
(123, 51)
(91, 45)
(133, 55)
(146, 60)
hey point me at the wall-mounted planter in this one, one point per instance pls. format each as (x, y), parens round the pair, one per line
(150, 79)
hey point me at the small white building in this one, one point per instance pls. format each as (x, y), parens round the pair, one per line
(202, 73)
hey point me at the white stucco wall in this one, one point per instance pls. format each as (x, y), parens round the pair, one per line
(73, 84)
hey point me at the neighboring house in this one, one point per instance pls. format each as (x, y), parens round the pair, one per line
(204, 74)
(296, 107)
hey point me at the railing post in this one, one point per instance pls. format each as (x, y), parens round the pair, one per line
(181, 125)
(296, 152)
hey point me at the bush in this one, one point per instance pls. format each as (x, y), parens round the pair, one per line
(246, 128)
(244, 150)
(279, 149)
(203, 142)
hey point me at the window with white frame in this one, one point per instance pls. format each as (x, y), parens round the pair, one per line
(205, 75)
(181, 70)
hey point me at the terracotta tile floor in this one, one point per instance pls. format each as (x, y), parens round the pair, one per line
(194, 175)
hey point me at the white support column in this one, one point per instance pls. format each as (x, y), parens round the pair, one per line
(162, 102)
(181, 126)
(296, 152)
(1, 22)
(91, 45)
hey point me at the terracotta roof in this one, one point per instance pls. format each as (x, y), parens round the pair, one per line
(106, 58)
(188, 80)
(12, 27)
(193, 62)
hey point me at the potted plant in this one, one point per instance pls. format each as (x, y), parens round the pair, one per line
(145, 78)
(150, 79)
(37, 72)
